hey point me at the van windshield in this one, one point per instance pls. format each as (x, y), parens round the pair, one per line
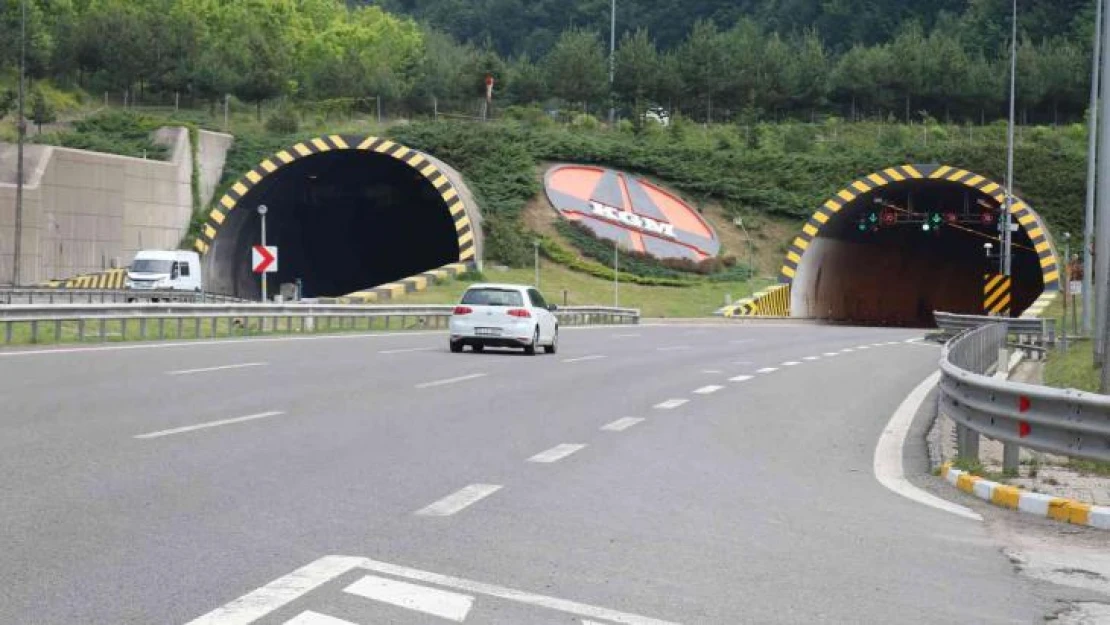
(151, 266)
(493, 297)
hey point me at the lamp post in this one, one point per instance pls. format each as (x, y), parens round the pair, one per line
(1092, 160)
(1067, 289)
(262, 210)
(612, 58)
(1006, 220)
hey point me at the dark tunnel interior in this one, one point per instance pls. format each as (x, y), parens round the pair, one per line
(893, 256)
(343, 221)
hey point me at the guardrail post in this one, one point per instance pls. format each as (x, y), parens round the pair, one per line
(180, 322)
(81, 330)
(142, 328)
(161, 328)
(1011, 454)
(57, 330)
(103, 329)
(34, 332)
(7, 332)
(967, 443)
(1003, 365)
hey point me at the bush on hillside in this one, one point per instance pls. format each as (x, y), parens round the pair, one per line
(283, 121)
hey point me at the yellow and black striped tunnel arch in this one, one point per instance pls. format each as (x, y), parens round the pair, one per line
(1028, 219)
(464, 229)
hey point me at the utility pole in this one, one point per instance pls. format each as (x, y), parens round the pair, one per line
(21, 133)
(1007, 235)
(613, 60)
(616, 274)
(1102, 239)
(1092, 159)
(536, 259)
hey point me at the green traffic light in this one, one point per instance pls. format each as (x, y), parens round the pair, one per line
(873, 217)
(862, 227)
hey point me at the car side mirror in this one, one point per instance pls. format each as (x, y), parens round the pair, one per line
(552, 307)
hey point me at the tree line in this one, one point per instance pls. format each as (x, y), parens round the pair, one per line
(741, 61)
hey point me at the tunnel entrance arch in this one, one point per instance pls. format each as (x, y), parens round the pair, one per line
(843, 267)
(346, 212)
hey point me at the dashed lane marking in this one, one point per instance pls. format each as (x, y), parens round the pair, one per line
(451, 606)
(740, 378)
(671, 404)
(210, 424)
(711, 371)
(461, 378)
(812, 358)
(830, 354)
(791, 363)
(768, 370)
(864, 347)
(556, 453)
(673, 348)
(459, 500)
(706, 390)
(408, 350)
(621, 424)
(585, 358)
(242, 365)
(847, 350)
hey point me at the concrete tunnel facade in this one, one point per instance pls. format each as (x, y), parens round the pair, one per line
(843, 269)
(347, 213)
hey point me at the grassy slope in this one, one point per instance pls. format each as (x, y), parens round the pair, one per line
(1074, 369)
(581, 289)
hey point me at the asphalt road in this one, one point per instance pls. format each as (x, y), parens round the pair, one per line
(642, 475)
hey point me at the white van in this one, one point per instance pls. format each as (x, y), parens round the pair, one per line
(164, 270)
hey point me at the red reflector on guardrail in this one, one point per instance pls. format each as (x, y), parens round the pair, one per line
(1023, 403)
(1024, 429)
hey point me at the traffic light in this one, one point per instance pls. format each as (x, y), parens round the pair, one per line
(932, 222)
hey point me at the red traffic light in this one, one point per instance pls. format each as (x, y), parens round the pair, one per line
(951, 217)
(987, 218)
(889, 217)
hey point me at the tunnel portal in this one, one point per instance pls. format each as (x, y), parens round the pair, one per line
(346, 214)
(899, 244)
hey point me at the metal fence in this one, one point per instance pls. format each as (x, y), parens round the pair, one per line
(31, 296)
(81, 322)
(1065, 422)
(1030, 334)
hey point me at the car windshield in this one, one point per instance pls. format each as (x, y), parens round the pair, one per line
(493, 297)
(147, 265)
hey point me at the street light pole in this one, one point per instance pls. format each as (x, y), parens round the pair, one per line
(612, 59)
(262, 210)
(1092, 159)
(1007, 235)
(1102, 205)
(21, 133)
(616, 275)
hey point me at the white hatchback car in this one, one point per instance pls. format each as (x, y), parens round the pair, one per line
(504, 315)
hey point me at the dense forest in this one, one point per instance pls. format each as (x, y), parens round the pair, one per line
(711, 60)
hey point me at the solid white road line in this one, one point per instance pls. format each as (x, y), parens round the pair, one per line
(309, 617)
(459, 500)
(768, 370)
(706, 390)
(408, 350)
(461, 378)
(210, 424)
(791, 363)
(621, 424)
(888, 454)
(671, 404)
(740, 378)
(556, 453)
(280, 592)
(451, 606)
(585, 358)
(219, 368)
(812, 358)
(258, 603)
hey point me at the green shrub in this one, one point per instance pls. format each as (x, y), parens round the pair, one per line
(284, 121)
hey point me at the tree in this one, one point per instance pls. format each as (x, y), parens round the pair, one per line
(8, 100)
(576, 68)
(527, 83)
(637, 71)
(41, 110)
(701, 59)
(807, 73)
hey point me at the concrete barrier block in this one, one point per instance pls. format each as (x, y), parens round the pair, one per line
(984, 489)
(1035, 503)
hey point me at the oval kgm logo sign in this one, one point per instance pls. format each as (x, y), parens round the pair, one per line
(639, 215)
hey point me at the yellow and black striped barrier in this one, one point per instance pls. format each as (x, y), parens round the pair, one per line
(996, 294)
(111, 280)
(770, 302)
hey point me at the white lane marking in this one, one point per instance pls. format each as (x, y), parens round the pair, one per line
(847, 350)
(791, 363)
(768, 370)
(671, 404)
(309, 617)
(888, 453)
(917, 339)
(740, 378)
(625, 336)
(585, 358)
(831, 354)
(812, 358)
(878, 345)
(864, 347)
(556, 453)
(459, 500)
(461, 378)
(621, 424)
(256, 604)
(712, 371)
(451, 606)
(407, 350)
(706, 390)
(219, 368)
(210, 424)
(673, 348)
(893, 343)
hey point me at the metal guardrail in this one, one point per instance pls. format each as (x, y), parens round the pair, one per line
(41, 296)
(1065, 422)
(1029, 333)
(80, 322)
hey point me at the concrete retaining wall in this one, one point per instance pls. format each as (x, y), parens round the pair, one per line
(86, 211)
